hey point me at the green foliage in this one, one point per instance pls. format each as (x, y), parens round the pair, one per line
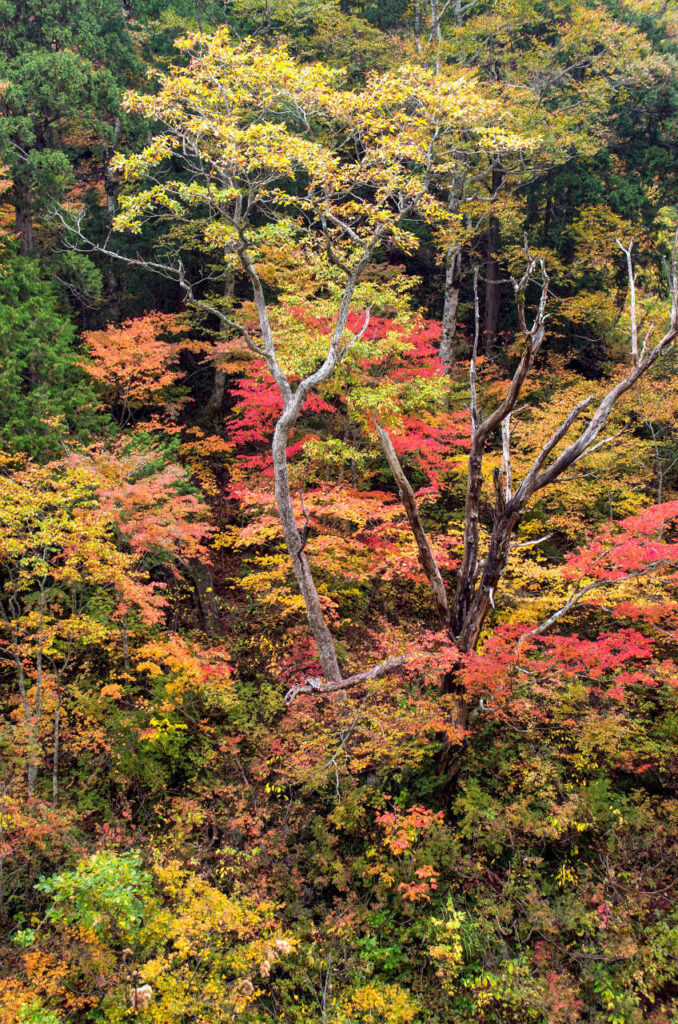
(46, 400)
(57, 58)
(104, 894)
(35, 1013)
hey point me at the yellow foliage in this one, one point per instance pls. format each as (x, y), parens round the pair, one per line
(214, 953)
(370, 1004)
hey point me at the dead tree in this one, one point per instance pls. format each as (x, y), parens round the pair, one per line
(477, 581)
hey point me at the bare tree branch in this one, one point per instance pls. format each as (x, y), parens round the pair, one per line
(506, 457)
(472, 373)
(580, 593)
(426, 556)
(482, 429)
(473, 599)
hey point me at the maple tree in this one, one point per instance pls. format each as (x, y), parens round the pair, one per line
(65, 530)
(135, 363)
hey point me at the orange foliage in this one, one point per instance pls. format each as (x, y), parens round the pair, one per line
(137, 361)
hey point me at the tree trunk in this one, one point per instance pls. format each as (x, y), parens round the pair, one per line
(55, 756)
(468, 570)
(436, 34)
(491, 323)
(300, 564)
(451, 305)
(112, 293)
(495, 566)
(34, 754)
(204, 588)
(481, 600)
(32, 772)
(216, 399)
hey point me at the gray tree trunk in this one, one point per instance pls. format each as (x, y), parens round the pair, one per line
(451, 305)
(298, 557)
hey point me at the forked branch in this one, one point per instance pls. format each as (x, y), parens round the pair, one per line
(473, 601)
(483, 428)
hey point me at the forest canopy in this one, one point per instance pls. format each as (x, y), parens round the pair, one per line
(338, 511)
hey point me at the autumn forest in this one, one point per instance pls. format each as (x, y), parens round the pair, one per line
(338, 511)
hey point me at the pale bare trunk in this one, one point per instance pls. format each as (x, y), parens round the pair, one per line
(451, 305)
(55, 756)
(436, 34)
(300, 564)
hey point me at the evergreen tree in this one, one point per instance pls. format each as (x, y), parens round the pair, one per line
(63, 64)
(45, 396)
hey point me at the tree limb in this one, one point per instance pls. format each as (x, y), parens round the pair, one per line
(408, 499)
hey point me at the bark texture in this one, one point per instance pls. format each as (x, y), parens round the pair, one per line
(450, 305)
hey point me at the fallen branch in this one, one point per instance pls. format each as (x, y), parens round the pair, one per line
(315, 685)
